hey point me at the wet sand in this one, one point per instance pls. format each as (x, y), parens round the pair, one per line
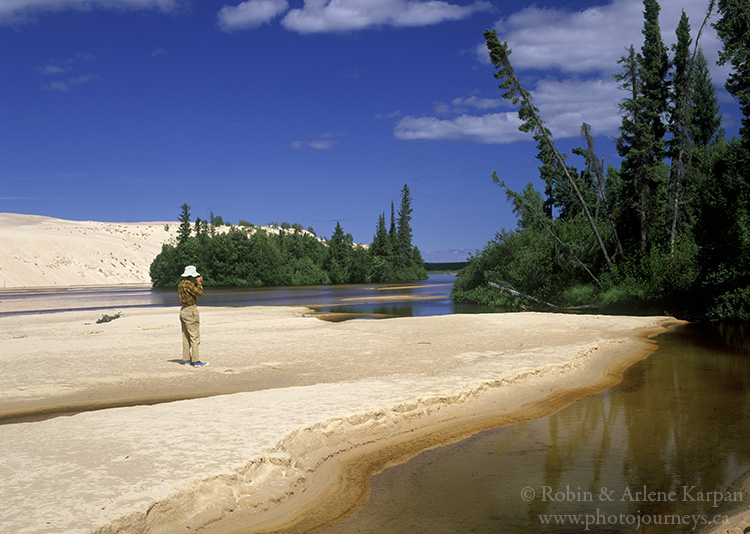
(282, 430)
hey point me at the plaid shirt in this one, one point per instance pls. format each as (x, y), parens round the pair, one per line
(189, 292)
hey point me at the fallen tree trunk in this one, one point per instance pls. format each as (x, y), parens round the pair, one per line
(541, 302)
(523, 296)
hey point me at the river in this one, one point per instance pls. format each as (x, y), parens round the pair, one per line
(425, 297)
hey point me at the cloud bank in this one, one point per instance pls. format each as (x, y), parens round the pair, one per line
(18, 12)
(250, 14)
(325, 16)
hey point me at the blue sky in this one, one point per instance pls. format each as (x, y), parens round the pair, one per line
(303, 111)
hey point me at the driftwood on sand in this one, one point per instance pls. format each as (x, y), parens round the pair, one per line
(107, 318)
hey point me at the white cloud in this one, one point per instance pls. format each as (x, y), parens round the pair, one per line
(319, 16)
(594, 39)
(325, 141)
(566, 104)
(250, 14)
(67, 66)
(465, 104)
(52, 69)
(495, 128)
(24, 11)
(576, 53)
(67, 85)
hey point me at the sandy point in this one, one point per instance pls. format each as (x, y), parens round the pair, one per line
(282, 430)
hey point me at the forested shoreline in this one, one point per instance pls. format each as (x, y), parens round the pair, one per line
(668, 231)
(246, 255)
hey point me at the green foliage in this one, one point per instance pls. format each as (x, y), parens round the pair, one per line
(705, 124)
(404, 227)
(184, 232)
(641, 143)
(579, 295)
(733, 29)
(291, 256)
(675, 216)
(732, 305)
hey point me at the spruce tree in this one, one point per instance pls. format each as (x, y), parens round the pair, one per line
(184, 231)
(641, 143)
(532, 122)
(379, 246)
(404, 227)
(706, 115)
(734, 30)
(680, 145)
(339, 251)
(393, 235)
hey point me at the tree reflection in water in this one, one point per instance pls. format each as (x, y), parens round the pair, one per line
(673, 431)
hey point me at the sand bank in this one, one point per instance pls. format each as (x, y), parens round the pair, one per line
(291, 411)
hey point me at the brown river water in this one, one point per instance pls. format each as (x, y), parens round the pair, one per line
(667, 450)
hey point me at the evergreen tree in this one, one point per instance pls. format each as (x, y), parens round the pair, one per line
(705, 126)
(531, 122)
(680, 144)
(654, 69)
(265, 258)
(290, 256)
(379, 246)
(393, 234)
(404, 227)
(184, 231)
(734, 30)
(641, 143)
(339, 251)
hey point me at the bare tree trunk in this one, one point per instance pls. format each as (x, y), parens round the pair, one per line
(539, 125)
(599, 172)
(519, 198)
(684, 141)
(522, 295)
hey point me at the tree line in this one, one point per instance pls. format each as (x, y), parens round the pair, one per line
(245, 255)
(666, 231)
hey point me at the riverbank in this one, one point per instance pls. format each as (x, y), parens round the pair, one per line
(291, 412)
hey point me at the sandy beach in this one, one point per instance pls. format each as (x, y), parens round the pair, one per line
(291, 410)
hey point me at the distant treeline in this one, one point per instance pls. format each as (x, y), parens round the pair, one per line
(248, 256)
(442, 267)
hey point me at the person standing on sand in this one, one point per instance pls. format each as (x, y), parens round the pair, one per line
(189, 289)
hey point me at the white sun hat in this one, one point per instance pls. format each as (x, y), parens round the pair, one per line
(190, 271)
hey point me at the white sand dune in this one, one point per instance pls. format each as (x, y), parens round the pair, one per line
(47, 252)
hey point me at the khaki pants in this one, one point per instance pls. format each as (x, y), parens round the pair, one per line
(191, 334)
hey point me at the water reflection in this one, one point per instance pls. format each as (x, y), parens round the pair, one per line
(647, 452)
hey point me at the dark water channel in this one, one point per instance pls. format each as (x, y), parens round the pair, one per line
(648, 455)
(427, 297)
